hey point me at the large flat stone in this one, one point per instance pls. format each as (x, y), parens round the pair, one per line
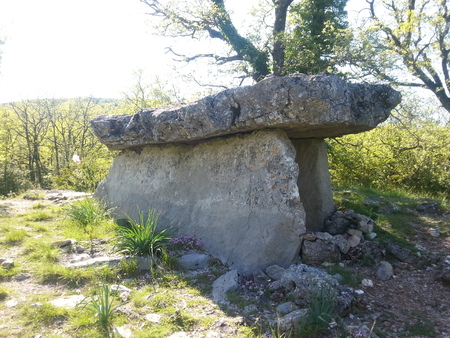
(304, 106)
(239, 195)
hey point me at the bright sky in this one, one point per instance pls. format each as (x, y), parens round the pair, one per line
(66, 48)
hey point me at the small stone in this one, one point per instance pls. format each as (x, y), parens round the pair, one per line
(354, 232)
(445, 276)
(399, 252)
(193, 261)
(67, 302)
(291, 321)
(372, 235)
(249, 309)
(275, 272)
(286, 308)
(153, 317)
(434, 232)
(341, 243)
(79, 249)
(367, 283)
(8, 263)
(384, 271)
(354, 241)
(324, 236)
(319, 252)
(359, 292)
(62, 244)
(11, 303)
(260, 277)
(36, 305)
(310, 237)
(123, 332)
(21, 277)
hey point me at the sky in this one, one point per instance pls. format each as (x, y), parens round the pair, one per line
(66, 48)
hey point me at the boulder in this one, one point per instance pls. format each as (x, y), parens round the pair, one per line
(225, 283)
(384, 271)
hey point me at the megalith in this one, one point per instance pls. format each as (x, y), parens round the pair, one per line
(246, 169)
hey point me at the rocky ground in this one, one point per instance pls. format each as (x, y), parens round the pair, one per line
(413, 302)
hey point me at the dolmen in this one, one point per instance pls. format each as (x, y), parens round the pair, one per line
(244, 170)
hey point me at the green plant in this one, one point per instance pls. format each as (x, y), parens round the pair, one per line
(87, 214)
(3, 293)
(144, 238)
(46, 314)
(39, 216)
(15, 236)
(103, 306)
(320, 312)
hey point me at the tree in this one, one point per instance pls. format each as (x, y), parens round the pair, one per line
(319, 27)
(406, 37)
(200, 18)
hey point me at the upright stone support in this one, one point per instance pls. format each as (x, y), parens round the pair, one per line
(239, 195)
(314, 181)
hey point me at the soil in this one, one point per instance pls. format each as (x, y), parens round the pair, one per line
(414, 303)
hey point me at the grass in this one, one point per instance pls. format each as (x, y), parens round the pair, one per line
(103, 307)
(143, 238)
(182, 300)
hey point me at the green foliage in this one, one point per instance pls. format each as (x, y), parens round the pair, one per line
(102, 306)
(4, 292)
(143, 238)
(46, 314)
(413, 158)
(319, 27)
(320, 312)
(88, 214)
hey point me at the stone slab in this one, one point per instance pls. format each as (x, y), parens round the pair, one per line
(304, 106)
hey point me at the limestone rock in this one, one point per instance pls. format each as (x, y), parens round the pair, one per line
(275, 272)
(384, 270)
(239, 195)
(223, 284)
(400, 252)
(193, 261)
(291, 321)
(341, 243)
(7, 263)
(318, 252)
(67, 302)
(305, 106)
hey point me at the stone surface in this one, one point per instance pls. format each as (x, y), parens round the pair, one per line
(275, 272)
(239, 195)
(286, 308)
(384, 270)
(319, 252)
(314, 182)
(341, 243)
(193, 261)
(400, 252)
(67, 302)
(223, 284)
(305, 106)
